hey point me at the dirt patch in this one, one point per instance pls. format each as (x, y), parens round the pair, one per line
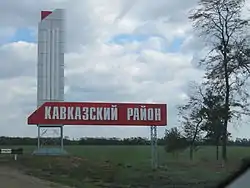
(10, 177)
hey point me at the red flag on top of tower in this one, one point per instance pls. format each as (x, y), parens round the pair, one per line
(44, 14)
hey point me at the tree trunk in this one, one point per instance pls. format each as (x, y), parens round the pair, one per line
(224, 137)
(191, 152)
(217, 143)
(226, 117)
(224, 144)
(217, 151)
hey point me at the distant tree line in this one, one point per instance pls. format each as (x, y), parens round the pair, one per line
(22, 141)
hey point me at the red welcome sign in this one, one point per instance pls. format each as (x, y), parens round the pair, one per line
(91, 113)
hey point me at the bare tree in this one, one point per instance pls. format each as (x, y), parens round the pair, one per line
(220, 23)
(192, 132)
(191, 118)
(202, 115)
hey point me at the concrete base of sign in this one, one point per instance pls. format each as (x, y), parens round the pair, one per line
(50, 151)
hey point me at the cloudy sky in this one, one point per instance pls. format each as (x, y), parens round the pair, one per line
(117, 50)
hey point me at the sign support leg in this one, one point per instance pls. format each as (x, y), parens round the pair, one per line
(61, 136)
(47, 143)
(154, 156)
(38, 137)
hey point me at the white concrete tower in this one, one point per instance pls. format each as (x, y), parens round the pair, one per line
(50, 69)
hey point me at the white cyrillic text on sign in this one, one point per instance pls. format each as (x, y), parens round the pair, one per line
(81, 113)
(101, 113)
(144, 114)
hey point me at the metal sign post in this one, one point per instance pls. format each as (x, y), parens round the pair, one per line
(50, 144)
(154, 153)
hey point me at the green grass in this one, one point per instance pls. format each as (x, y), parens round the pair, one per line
(129, 166)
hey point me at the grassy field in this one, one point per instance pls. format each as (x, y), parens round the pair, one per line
(129, 166)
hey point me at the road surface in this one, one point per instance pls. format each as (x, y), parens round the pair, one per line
(13, 178)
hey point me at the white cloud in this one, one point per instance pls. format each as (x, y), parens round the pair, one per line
(18, 59)
(96, 70)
